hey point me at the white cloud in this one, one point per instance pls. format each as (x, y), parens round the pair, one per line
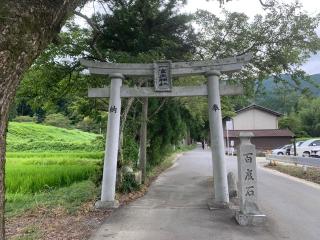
(313, 65)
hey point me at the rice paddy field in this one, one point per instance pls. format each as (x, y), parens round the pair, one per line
(49, 165)
(32, 173)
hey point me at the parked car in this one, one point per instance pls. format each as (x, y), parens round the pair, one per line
(306, 148)
(284, 150)
(315, 153)
(298, 144)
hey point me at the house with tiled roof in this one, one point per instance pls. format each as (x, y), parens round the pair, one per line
(262, 122)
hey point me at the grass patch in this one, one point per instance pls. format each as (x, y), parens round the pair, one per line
(71, 198)
(40, 138)
(55, 155)
(312, 174)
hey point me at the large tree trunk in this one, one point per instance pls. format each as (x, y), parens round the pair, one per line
(26, 28)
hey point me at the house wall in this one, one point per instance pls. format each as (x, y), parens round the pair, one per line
(255, 119)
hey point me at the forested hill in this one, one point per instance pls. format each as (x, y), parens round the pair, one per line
(270, 85)
(285, 98)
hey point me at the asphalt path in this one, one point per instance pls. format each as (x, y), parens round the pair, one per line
(176, 207)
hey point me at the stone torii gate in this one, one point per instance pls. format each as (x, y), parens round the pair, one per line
(163, 71)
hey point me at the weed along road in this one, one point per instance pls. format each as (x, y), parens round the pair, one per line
(175, 208)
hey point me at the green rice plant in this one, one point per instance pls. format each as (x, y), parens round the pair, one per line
(70, 197)
(51, 166)
(56, 155)
(35, 173)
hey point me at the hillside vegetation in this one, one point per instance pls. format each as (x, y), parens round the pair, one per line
(36, 137)
(313, 85)
(45, 164)
(49, 166)
(285, 96)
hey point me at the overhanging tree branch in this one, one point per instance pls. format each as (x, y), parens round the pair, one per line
(271, 4)
(92, 24)
(158, 109)
(96, 32)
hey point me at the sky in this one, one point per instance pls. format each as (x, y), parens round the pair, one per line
(249, 7)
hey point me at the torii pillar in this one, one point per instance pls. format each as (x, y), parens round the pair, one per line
(112, 145)
(221, 196)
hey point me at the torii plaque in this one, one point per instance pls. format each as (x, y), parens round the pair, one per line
(211, 69)
(162, 76)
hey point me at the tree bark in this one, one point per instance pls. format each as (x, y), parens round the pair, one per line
(122, 126)
(26, 29)
(143, 139)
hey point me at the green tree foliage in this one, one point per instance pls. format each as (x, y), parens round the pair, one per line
(135, 29)
(58, 85)
(309, 113)
(57, 120)
(282, 99)
(166, 129)
(305, 120)
(283, 96)
(280, 41)
(293, 123)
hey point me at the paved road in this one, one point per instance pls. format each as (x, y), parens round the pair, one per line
(175, 208)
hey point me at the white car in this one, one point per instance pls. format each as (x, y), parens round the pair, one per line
(281, 151)
(298, 144)
(306, 148)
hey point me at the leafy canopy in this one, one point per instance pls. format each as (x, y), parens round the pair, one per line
(281, 40)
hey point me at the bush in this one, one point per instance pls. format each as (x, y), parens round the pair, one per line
(58, 120)
(98, 143)
(88, 124)
(128, 184)
(130, 150)
(23, 119)
(55, 146)
(97, 177)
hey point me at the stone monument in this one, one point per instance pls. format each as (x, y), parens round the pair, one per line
(249, 213)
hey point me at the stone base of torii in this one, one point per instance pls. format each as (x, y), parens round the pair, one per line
(213, 89)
